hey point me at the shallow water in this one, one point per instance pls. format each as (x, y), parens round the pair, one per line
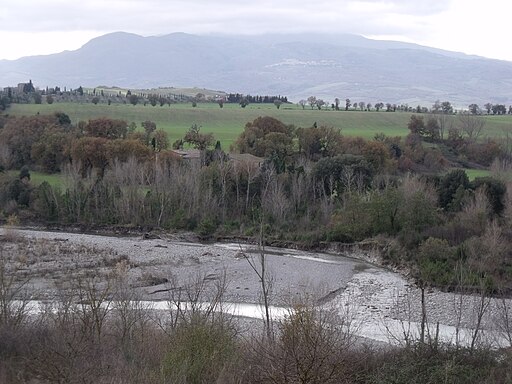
(391, 331)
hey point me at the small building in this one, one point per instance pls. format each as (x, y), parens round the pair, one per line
(246, 158)
(188, 154)
(21, 87)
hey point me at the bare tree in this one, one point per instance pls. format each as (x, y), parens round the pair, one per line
(508, 204)
(501, 168)
(348, 178)
(274, 200)
(225, 171)
(5, 155)
(444, 122)
(130, 177)
(481, 304)
(312, 345)
(475, 212)
(402, 309)
(162, 191)
(251, 170)
(320, 103)
(259, 266)
(95, 299)
(503, 318)
(13, 296)
(471, 125)
(506, 142)
(237, 173)
(201, 335)
(458, 301)
(79, 190)
(312, 101)
(199, 297)
(299, 185)
(131, 315)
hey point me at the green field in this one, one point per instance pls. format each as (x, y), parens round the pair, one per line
(227, 123)
(474, 173)
(55, 180)
(37, 178)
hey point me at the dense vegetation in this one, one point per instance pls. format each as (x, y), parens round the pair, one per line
(307, 184)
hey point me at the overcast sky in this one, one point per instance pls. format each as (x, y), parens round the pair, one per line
(31, 27)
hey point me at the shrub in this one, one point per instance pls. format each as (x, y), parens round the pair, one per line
(494, 189)
(199, 352)
(436, 261)
(310, 346)
(424, 366)
(206, 227)
(451, 190)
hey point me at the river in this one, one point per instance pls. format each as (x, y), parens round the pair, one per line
(379, 304)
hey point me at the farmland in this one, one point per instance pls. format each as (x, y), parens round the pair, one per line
(228, 122)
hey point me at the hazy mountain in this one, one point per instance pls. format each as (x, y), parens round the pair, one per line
(298, 66)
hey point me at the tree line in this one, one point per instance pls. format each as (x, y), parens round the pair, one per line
(257, 99)
(444, 107)
(27, 94)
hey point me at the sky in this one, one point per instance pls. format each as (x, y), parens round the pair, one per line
(34, 27)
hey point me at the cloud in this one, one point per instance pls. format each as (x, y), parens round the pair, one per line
(206, 16)
(445, 24)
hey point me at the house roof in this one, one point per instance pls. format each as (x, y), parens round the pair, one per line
(188, 154)
(246, 157)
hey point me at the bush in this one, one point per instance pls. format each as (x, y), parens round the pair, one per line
(452, 188)
(181, 221)
(436, 262)
(199, 352)
(494, 189)
(353, 223)
(310, 346)
(423, 365)
(206, 227)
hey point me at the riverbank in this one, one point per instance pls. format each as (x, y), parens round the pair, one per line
(380, 302)
(156, 264)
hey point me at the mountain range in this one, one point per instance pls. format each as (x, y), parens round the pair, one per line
(294, 65)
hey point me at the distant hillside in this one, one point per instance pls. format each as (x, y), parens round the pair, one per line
(327, 66)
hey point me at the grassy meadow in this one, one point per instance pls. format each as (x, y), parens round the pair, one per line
(37, 178)
(474, 173)
(55, 180)
(228, 122)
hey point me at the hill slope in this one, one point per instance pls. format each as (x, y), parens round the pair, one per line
(294, 65)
